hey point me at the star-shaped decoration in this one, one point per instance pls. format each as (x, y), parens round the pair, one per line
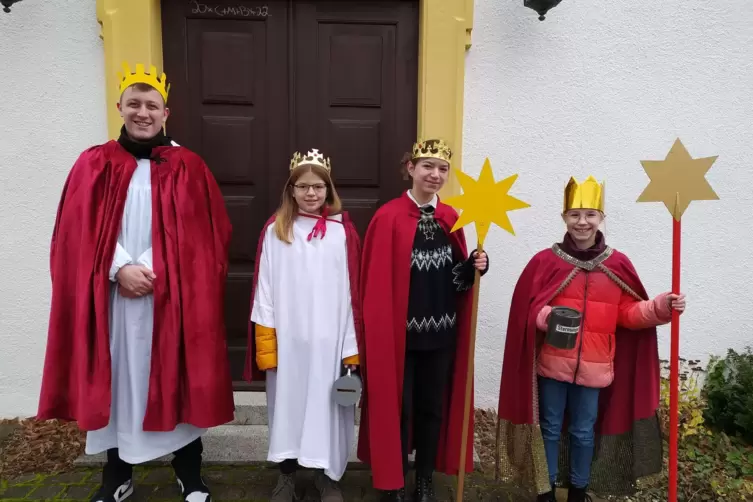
(427, 230)
(485, 201)
(678, 180)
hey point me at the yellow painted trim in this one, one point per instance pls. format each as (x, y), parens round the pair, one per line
(132, 31)
(468, 23)
(445, 28)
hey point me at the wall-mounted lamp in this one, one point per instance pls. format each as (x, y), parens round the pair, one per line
(541, 6)
(7, 4)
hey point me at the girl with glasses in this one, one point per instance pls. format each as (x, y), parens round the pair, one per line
(590, 386)
(306, 314)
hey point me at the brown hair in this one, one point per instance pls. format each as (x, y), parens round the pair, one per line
(142, 87)
(408, 157)
(288, 210)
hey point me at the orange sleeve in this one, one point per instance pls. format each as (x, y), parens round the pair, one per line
(266, 347)
(351, 361)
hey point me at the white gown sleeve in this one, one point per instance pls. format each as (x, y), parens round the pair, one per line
(350, 343)
(146, 259)
(120, 260)
(263, 309)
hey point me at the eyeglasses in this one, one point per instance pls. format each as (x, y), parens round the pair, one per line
(318, 188)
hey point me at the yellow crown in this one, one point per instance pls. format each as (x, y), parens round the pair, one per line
(128, 78)
(312, 158)
(586, 195)
(434, 149)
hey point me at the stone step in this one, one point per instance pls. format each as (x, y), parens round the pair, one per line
(251, 409)
(235, 444)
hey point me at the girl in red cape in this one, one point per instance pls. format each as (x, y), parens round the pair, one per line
(306, 314)
(605, 374)
(416, 279)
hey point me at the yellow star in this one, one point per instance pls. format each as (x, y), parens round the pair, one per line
(678, 180)
(485, 202)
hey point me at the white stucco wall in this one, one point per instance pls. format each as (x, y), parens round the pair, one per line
(594, 89)
(51, 108)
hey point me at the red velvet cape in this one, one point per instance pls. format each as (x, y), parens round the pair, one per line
(385, 283)
(634, 393)
(353, 243)
(190, 375)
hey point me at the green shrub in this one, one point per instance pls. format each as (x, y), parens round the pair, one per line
(729, 395)
(712, 466)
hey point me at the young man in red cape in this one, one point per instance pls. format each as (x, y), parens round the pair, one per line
(304, 327)
(136, 349)
(595, 392)
(416, 279)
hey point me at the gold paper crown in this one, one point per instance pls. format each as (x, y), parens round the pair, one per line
(128, 78)
(312, 158)
(434, 149)
(586, 195)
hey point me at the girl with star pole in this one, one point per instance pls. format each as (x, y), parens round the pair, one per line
(596, 380)
(416, 282)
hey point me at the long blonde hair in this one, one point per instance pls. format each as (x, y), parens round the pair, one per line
(288, 210)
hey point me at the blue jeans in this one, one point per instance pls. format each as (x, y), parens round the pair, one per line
(583, 405)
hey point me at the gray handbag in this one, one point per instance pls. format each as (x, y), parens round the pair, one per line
(347, 389)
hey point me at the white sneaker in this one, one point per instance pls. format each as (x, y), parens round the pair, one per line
(120, 493)
(199, 495)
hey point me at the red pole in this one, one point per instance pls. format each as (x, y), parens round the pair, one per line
(674, 369)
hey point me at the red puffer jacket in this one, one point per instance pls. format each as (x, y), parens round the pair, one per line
(604, 305)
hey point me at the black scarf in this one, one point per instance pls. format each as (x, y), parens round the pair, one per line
(143, 149)
(568, 246)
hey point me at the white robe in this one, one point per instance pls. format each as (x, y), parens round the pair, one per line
(303, 292)
(131, 324)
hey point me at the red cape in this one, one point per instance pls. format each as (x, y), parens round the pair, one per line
(385, 282)
(353, 243)
(634, 393)
(190, 376)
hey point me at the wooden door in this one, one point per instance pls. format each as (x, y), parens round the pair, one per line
(253, 82)
(355, 80)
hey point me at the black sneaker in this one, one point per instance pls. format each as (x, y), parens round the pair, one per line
(548, 496)
(194, 492)
(393, 495)
(578, 495)
(424, 490)
(116, 494)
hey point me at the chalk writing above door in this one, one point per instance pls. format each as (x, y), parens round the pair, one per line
(227, 10)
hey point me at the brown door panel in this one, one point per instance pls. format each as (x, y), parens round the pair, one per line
(355, 78)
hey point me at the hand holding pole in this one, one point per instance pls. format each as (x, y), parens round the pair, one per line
(676, 181)
(483, 202)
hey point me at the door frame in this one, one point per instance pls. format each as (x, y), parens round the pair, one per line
(131, 31)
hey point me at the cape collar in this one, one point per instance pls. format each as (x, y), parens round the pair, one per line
(320, 228)
(433, 202)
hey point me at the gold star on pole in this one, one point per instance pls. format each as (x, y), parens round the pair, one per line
(485, 201)
(678, 180)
